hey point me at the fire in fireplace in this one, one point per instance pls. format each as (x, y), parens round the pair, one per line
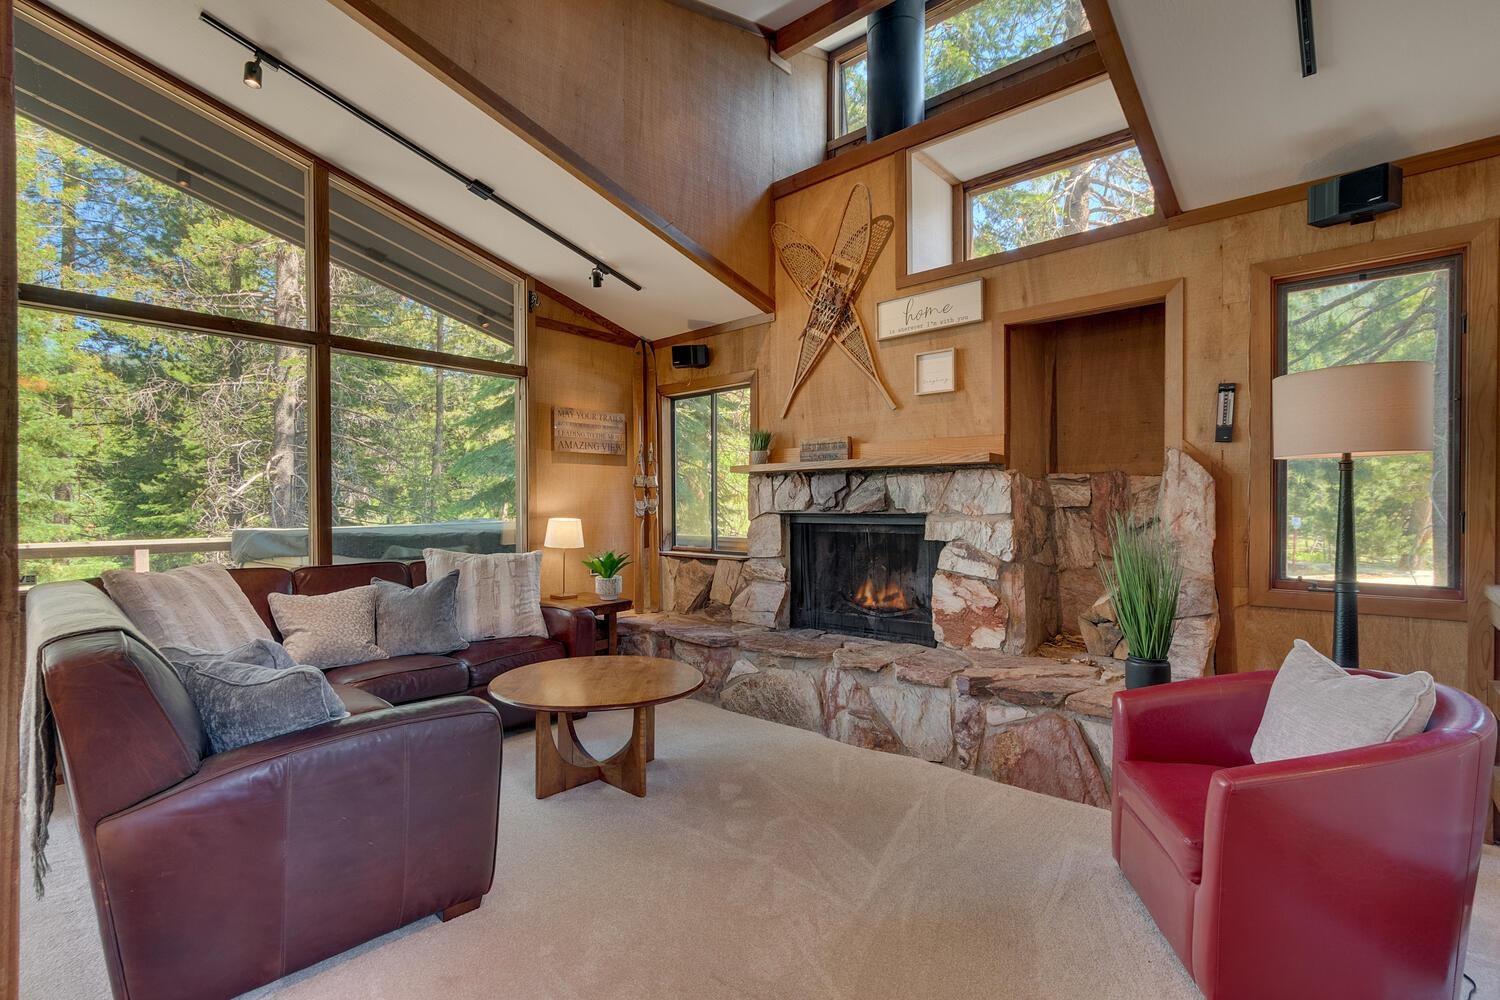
(863, 575)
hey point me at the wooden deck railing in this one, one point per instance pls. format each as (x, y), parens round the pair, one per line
(139, 549)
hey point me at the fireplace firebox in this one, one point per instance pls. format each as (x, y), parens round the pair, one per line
(867, 575)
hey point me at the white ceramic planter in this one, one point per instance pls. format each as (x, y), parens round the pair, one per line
(609, 589)
(759, 457)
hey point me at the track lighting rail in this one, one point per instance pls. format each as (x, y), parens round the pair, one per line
(477, 187)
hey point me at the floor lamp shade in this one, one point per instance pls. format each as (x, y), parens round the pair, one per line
(564, 533)
(1382, 408)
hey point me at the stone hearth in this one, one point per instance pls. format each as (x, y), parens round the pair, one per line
(1038, 722)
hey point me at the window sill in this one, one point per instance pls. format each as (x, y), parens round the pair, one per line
(692, 554)
(1381, 605)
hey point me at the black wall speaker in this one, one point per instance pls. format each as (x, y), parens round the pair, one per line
(1356, 197)
(690, 356)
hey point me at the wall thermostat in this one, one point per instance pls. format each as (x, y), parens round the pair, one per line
(1224, 417)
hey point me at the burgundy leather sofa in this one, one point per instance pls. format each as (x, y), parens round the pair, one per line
(1348, 874)
(213, 874)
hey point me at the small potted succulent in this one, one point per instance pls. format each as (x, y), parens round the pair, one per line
(606, 568)
(760, 446)
(1142, 578)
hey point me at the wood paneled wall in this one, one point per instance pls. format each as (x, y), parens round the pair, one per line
(566, 369)
(1212, 265)
(681, 114)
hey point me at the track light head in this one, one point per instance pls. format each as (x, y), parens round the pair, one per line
(253, 73)
(596, 277)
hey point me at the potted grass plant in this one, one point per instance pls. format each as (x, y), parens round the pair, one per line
(1142, 578)
(760, 446)
(606, 568)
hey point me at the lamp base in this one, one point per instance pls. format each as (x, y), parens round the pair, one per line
(562, 597)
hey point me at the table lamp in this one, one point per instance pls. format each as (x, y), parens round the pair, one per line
(1346, 412)
(564, 533)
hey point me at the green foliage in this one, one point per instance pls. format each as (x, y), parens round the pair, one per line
(1141, 578)
(1401, 502)
(130, 431)
(711, 435)
(760, 439)
(607, 565)
(1093, 193)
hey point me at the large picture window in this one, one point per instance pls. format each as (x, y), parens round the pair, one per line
(169, 359)
(1407, 508)
(710, 503)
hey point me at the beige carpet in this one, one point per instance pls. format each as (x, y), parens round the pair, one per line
(765, 863)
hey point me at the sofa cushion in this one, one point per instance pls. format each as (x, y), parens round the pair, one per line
(257, 583)
(1170, 801)
(499, 594)
(329, 630)
(490, 658)
(357, 700)
(199, 607)
(401, 679)
(243, 703)
(417, 619)
(1316, 707)
(326, 579)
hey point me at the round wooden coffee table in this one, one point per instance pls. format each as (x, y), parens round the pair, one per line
(569, 688)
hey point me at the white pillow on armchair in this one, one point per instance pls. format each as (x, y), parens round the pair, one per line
(499, 595)
(1316, 707)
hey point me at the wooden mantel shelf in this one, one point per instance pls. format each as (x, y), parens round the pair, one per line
(936, 458)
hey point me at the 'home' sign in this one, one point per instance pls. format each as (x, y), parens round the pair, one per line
(934, 310)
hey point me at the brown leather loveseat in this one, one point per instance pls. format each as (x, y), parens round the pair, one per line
(213, 874)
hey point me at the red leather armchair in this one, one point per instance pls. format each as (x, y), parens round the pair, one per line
(1348, 874)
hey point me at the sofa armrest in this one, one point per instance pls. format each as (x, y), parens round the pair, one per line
(1344, 874)
(315, 841)
(1207, 720)
(573, 627)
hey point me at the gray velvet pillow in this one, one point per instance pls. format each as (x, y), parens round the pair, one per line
(241, 703)
(328, 630)
(418, 619)
(258, 652)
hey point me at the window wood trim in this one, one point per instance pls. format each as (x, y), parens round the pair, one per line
(1480, 245)
(666, 470)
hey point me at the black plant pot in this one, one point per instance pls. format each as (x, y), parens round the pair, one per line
(1141, 673)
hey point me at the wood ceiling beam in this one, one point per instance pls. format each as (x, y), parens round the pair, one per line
(820, 22)
(1107, 37)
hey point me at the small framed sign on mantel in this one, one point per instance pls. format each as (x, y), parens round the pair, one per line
(955, 305)
(936, 372)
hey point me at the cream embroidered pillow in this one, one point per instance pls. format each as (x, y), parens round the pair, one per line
(328, 630)
(1315, 707)
(196, 607)
(499, 595)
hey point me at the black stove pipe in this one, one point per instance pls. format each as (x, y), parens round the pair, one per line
(894, 40)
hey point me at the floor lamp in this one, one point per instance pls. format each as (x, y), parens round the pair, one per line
(1348, 412)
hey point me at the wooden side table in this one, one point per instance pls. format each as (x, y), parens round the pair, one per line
(608, 612)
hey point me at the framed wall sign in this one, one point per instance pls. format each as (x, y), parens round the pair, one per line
(593, 432)
(936, 372)
(934, 310)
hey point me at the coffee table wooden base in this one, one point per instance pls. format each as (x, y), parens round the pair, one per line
(565, 764)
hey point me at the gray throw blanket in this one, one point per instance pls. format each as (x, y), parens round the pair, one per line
(54, 611)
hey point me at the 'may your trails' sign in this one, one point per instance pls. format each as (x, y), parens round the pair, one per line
(594, 432)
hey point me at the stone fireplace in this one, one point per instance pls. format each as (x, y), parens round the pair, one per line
(863, 574)
(1027, 656)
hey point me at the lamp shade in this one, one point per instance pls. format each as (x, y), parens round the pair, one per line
(1382, 408)
(564, 533)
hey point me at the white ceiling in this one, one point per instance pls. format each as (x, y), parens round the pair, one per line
(769, 13)
(1223, 88)
(679, 295)
(1079, 115)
